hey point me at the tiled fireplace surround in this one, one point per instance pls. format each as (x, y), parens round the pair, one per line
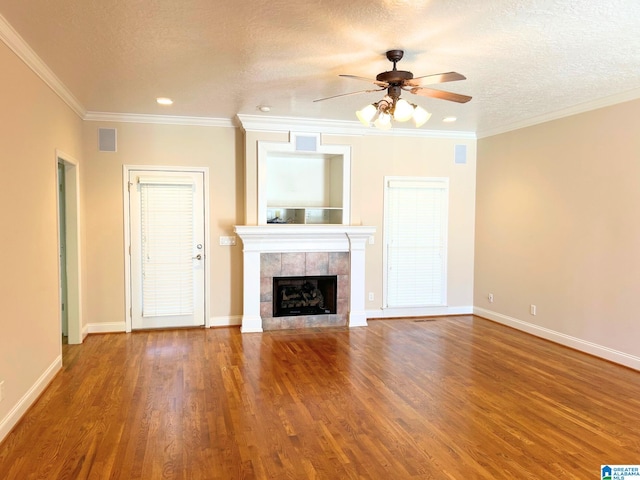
(297, 250)
(303, 264)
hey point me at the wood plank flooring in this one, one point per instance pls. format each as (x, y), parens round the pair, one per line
(449, 398)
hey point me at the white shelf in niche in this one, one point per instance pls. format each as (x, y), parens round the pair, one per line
(303, 187)
(304, 215)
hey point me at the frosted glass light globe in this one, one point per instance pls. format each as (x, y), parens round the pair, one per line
(383, 122)
(420, 116)
(403, 111)
(366, 114)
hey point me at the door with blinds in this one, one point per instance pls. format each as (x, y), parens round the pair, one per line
(167, 249)
(416, 213)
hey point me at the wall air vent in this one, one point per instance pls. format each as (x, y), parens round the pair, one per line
(306, 143)
(106, 139)
(461, 154)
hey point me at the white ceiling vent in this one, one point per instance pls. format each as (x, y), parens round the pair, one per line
(107, 139)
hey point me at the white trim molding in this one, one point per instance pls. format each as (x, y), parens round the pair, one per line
(258, 123)
(225, 321)
(107, 327)
(585, 346)
(16, 43)
(29, 398)
(419, 312)
(158, 119)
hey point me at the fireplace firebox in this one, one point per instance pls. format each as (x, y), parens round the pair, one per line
(310, 295)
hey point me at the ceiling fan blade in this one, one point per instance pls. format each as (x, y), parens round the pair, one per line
(430, 92)
(370, 80)
(435, 78)
(347, 94)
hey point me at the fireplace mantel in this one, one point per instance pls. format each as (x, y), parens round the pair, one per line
(257, 239)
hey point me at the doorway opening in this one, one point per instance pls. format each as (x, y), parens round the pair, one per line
(62, 242)
(68, 189)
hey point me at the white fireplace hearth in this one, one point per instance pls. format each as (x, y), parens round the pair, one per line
(288, 238)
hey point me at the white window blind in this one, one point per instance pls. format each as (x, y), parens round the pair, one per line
(167, 223)
(416, 235)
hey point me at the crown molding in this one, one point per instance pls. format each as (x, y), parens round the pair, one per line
(608, 101)
(259, 123)
(17, 44)
(247, 122)
(158, 119)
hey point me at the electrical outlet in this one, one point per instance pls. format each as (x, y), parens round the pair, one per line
(490, 297)
(532, 309)
(371, 240)
(371, 296)
(2, 390)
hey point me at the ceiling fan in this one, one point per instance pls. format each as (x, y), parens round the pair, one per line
(394, 81)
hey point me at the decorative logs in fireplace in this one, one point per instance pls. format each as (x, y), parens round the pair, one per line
(314, 295)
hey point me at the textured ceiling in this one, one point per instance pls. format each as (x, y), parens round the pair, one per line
(216, 59)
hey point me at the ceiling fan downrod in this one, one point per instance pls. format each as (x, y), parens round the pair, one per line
(395, 56)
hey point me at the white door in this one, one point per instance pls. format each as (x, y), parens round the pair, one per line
(167, 249)
(416, 219)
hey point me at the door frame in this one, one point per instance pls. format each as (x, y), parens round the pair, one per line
(73, 263)
(127, 234)
(62, 251)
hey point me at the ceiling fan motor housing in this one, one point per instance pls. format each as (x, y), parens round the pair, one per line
(395, 78)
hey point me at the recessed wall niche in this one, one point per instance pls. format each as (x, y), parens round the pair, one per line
(310, 186)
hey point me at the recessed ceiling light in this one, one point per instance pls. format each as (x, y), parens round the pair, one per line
(264, 108)
(164, 101)
(449, 119)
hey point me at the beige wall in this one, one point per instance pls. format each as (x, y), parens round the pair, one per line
(373, 158)
(557, 226)
(218, 148)
(34, 123)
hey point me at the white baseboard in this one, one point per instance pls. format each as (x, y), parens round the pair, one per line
(594, 349)
(418, 312)
(228, 321)
(117, 327)
(110, 327)
(20, 408)
(357, 319)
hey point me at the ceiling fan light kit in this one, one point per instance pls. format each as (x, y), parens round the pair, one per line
(386, 109)
(391, 105)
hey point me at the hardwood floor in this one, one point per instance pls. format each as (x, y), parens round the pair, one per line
(448, 398)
